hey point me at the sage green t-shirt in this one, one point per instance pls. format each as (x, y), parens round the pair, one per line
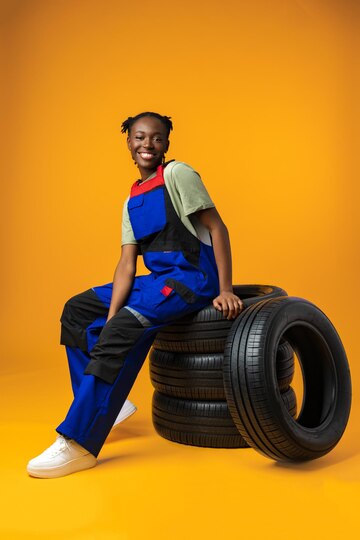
(188, 195)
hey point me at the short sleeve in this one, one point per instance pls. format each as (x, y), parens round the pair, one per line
(191, 189)
(127, 234)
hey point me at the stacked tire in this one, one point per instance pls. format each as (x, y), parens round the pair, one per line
(186, 369)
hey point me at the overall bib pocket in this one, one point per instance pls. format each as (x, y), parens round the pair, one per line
(147, 213)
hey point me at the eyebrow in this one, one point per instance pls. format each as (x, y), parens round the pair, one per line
(156, 132)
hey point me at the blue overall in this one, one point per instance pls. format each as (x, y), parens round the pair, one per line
(105, 358)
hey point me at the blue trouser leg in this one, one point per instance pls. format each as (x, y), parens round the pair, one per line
(77, 360)
(120, 346)
(97, 403)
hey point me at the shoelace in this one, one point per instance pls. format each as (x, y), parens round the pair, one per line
(58, 446)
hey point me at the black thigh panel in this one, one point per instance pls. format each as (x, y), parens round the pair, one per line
(79, 312)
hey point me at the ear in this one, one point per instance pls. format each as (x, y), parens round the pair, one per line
(167, 145)
(128, 142)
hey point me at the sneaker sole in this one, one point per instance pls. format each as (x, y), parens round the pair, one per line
(75, 465)
(125, 416)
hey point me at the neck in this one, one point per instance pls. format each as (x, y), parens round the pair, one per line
(144, 174)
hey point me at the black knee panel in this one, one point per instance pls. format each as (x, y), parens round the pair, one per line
(117, 338)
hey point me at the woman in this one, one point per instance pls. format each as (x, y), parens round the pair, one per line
(170, 219)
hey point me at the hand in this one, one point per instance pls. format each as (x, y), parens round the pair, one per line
(229, 304)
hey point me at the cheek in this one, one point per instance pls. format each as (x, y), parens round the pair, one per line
(161, 149)
(133, 154)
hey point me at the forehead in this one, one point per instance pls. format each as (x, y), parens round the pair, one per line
(149, 124)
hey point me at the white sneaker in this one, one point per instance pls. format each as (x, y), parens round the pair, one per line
(126, 410)
(64, 456)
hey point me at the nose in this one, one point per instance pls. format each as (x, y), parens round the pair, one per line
(147, 143)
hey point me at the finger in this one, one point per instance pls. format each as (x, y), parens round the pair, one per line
(238, 305)
(225, 308)
(235, 310)
(230, 310)
(217, 305)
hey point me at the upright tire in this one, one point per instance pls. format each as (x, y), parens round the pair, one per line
(205, 331)
(251, 384)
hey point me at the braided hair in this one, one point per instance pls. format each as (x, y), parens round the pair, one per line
(128, 123)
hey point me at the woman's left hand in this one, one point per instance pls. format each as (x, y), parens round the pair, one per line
(229, 304)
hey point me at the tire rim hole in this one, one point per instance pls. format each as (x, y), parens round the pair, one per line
(315, 382)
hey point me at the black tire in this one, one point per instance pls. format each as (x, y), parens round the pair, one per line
(186, 376)
(285, 365)
(290, 401)
(251, 386)
(197, 423)
(201, 423)
(206, 330)
(200, 376)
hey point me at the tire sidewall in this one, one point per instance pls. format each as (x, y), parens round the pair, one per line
(294, 311)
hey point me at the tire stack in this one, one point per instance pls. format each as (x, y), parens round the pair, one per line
(186, 369)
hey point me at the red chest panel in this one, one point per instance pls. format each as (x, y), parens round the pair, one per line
(158, 180)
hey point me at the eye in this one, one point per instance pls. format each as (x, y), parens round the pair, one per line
(138, 137)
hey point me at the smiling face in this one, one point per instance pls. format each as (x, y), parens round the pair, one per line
(148, 142)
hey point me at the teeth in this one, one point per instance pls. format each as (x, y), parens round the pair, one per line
(145, 155)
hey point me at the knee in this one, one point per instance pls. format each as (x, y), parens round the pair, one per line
(73, 306)
(78, 313)
(68, 309)
(73, 332)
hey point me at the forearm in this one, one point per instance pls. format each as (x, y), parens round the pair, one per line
(226, 301)
(122, 283)
(222, 252)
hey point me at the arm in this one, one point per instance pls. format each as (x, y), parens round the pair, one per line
(227, 302)
(123, 278)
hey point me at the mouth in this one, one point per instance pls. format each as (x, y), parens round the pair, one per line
(146, 155)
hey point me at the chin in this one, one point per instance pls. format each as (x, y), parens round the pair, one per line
(151, 165)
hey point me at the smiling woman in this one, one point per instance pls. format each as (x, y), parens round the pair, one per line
(170, 219)
(148, 141)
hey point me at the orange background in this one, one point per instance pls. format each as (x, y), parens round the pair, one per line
(263, 96)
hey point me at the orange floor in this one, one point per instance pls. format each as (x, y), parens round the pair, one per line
(147, 487)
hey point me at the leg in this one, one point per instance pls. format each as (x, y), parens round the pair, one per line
(118, 357)
(82, 321)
